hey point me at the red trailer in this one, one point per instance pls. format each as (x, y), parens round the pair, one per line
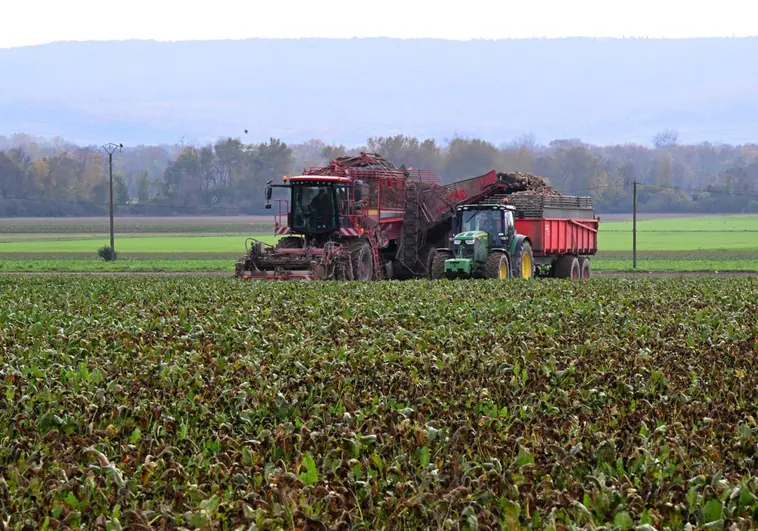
(562, 231)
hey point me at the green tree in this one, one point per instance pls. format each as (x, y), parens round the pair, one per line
(469, 158)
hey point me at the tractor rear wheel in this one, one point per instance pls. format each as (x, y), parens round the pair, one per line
(567, 266)
(437, 269)
(363, 262)
(524, 262)
(498, 266)
(584, 267)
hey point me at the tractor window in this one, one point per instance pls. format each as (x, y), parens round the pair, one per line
(342, 196)
(508, 221)
(314, 208)
(482, 220)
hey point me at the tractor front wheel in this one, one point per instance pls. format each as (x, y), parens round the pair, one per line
(498, 266)
(437, 268)
(363, 262)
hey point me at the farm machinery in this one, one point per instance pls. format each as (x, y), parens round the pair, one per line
(362, 218)
(521, 235)
(485, 245)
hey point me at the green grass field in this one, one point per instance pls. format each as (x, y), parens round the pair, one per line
(707, 243)
(90, 264)
(135, 225)
(138, 244)
(682, 234)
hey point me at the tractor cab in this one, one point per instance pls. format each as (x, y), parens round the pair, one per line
(495, 220)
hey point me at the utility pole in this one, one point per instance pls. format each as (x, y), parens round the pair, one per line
(110, 149)
(634, 225)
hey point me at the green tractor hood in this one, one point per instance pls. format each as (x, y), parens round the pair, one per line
(466, 246)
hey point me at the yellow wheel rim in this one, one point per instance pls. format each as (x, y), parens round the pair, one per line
(526, 266)
(503, 270)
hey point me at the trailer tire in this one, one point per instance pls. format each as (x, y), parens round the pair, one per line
(523, 262)
(585, 268)
(362, 261)
(567, 266)
(437, 267)
(499, 266)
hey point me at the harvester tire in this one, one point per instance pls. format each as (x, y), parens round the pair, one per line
(290, 242)
(363, 262)
(499, 266)
(567, 266)
(585, 268)
(523, 262)
(437, 268)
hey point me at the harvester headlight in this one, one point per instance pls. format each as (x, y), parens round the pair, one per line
(470, 242)
(456, 242)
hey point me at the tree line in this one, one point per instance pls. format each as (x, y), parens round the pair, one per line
(52, 177)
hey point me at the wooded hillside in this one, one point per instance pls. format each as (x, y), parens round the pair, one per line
(52, 178)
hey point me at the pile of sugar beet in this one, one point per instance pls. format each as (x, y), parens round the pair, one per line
(532, 184)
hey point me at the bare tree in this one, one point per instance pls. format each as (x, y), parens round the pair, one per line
(666, 138)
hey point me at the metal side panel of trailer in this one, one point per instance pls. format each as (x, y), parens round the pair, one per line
(558, 236)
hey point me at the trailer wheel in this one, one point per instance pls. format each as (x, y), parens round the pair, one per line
(584, 267)
(437, 268)
(567, 266)
(363, 262)
(524, 262)
(499, 266)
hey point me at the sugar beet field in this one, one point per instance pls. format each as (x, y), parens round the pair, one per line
(202, 402)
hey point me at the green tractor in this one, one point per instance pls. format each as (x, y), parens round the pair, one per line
(485, 245)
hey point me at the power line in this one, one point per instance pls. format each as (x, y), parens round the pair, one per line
(700, 190)
(669, 187)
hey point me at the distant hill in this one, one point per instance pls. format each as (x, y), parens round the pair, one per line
(601, 91)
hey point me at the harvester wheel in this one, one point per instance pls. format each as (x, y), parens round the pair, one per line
(584, 267)
(437, 269)
(363, 262)
(499, 266)
(524, 262)
(290, 242)
(567, 266)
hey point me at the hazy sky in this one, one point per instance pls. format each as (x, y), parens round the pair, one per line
(27, 22)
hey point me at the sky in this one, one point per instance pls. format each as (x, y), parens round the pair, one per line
(33, 22)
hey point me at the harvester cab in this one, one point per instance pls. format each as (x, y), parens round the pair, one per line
(485, 245)
(316, 207)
